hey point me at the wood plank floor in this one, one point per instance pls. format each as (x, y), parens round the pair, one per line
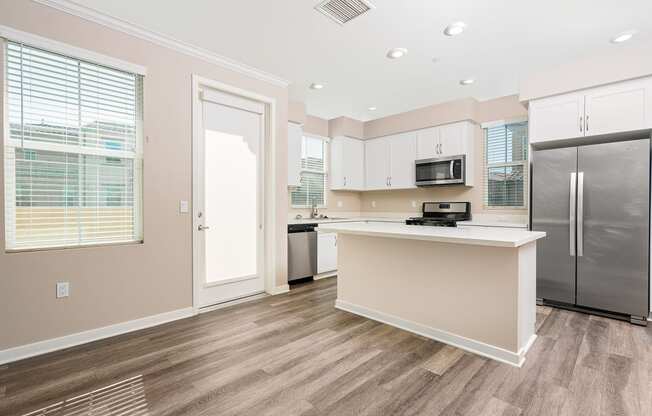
(294, 354)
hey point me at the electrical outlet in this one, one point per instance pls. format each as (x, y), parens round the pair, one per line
(63, 289)
(414, 204)
(339, 204)
(373, 204)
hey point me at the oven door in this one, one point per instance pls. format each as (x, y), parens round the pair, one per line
(440, 171)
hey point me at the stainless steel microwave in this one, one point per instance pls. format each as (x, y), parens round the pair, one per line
(440, 171)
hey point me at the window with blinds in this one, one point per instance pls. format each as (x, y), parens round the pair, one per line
(313, 174)
(506, 166)
(73, 153)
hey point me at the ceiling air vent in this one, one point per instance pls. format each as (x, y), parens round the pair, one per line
(342, 11)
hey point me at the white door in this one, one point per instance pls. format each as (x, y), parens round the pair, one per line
(556, 118)
(427, 143)
(402, 154)
(616, 108)
(452, 138)
(326, 252)
(228, 233)
(377, 163)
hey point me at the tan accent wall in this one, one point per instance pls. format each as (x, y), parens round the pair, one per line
(296, 112)
(345, 126)
(315, 125)
(121, 283)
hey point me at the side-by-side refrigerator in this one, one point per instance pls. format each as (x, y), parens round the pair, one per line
(593, 202)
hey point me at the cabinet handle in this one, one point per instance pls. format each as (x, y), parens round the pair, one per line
(581, 123)
(586, 127)
(390, 181)
(345, 181)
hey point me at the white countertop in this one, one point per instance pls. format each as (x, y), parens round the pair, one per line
(496, 237)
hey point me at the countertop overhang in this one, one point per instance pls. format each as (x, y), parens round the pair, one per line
(494, 237)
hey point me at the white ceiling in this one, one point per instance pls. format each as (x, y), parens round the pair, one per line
(504, 40)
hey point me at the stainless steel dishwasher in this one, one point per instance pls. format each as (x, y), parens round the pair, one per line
(302, 251)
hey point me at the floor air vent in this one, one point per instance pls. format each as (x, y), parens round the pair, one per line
(342, 11)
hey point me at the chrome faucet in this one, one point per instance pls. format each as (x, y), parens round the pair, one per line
(314, 213)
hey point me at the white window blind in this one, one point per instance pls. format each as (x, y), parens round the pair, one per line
(506, 168)
(313, 174)
(73, 155)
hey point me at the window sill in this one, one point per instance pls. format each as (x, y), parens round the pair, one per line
(81, 246)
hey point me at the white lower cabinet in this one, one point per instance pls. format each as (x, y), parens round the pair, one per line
(326, 252)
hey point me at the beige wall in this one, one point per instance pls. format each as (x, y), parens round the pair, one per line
(345, 126)
(126, 282)
(296, 112)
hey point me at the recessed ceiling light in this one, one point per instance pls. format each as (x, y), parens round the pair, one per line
(396, 53)
(454, 28)
(623, 37)
(467, 81)
(316, 86)
(371, 108)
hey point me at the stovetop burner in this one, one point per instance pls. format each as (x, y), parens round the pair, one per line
(442, 214)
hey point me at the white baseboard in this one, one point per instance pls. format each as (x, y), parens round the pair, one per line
(67, 341)
(325, 275)
(476, 347)
(277, 290)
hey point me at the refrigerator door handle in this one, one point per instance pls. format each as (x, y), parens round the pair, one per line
(580, 214)
(572, 216)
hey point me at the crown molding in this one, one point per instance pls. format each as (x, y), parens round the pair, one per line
(140, 32)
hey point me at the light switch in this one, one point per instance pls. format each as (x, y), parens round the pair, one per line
(414, 204)
(183, 207)
(63, 289)
(339, 204)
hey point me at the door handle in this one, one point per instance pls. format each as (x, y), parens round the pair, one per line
(581, 124)
(580, 214)
(202, 228)
(586, 125)
(572, 212)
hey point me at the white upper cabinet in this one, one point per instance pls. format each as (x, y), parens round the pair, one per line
(621, 107)
(295, 134)
(402, 154)
(453, 139)
(556, 118)
(617, 108)
(428, 143)
(389, 162)
(377, 164)
(347, 164)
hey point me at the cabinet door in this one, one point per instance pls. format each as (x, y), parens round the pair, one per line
(377, 163)
(617, 108)
(556, 118)
(336, 173)
(326, 252)
(295, 133)
(353, 155)
(452, 138)
(427, 142)
(402, 152)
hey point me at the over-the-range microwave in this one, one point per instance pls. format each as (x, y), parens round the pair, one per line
(440, 171)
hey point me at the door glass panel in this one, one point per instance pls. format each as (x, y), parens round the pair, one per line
(231, 172)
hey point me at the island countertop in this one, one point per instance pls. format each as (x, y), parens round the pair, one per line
(495, 237)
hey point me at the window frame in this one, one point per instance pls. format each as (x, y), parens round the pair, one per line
(525, 164)
(326, 151)
(9, 184)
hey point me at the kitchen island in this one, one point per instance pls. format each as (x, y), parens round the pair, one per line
(474, 288)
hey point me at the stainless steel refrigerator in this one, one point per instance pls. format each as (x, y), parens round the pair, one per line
(593, 202)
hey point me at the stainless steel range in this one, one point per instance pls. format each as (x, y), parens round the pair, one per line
(442, 214)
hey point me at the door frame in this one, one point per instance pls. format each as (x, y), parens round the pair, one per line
(269, 198)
